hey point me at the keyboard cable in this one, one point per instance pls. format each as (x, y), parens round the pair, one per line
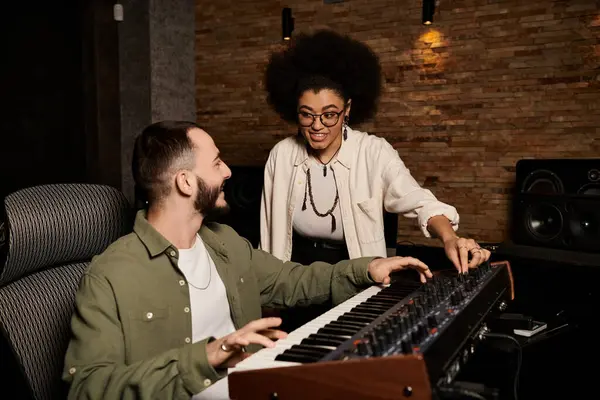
(519, 356)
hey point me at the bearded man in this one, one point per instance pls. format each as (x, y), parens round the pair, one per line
(165, 310)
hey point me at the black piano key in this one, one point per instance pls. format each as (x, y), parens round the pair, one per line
(369, 308)
(327, 337)
(315, 355)
(321, 342)
(395, 291)
(361, 314)
(295, 358)
(344, 327)
(337, 331)
(381, 301)
(381, 305)
(372, 307)
(309, 348)
(347, 324)
(306, 352)
(392, 294)
(354, 317)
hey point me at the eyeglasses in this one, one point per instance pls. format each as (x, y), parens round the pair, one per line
(328, 118)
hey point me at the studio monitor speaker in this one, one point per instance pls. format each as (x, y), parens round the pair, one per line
(567, 222)
(556, 204)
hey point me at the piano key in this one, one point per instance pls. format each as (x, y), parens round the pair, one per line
(292, 359)
(321, 342)
(373, 308)
(327, 337)
(338, 331)
(309, 348)
(314, 352)
(350, 326)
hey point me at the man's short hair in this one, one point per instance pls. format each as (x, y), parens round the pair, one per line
(160, 150)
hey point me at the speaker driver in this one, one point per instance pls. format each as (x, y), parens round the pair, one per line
(542, 182)
(544, 221)
(585, 225)
(243, 195)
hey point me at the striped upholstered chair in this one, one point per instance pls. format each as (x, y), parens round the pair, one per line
(51, 234)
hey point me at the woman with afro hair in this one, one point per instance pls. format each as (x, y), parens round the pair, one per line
(326, 188)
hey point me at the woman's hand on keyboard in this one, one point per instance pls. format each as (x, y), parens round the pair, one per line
(381, 268)
(231, 349)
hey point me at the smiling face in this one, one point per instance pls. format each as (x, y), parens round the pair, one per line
(211, 173)
(321, 118)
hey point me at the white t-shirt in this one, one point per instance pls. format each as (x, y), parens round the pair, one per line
(211, 315)
(307, 222)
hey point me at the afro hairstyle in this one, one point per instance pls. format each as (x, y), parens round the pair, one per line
(324, 60)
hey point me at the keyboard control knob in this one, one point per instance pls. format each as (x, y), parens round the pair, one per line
(431, 300)
(395, 327)
(405, 347)
(415, 336)
(454, 300)
(364, 348)
(432, 321)
(389, 336)
(376, 347)
(404, 324)
(468, 286)
(420, 311)
(382, 339)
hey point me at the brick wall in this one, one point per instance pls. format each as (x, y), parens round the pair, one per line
(490, 82)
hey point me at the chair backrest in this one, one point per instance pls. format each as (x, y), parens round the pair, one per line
(53, 231)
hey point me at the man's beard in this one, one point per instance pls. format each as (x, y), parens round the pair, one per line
(206, 201)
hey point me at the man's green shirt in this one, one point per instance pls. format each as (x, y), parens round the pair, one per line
(132, 329)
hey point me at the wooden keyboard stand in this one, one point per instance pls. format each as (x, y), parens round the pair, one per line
(377, 378)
